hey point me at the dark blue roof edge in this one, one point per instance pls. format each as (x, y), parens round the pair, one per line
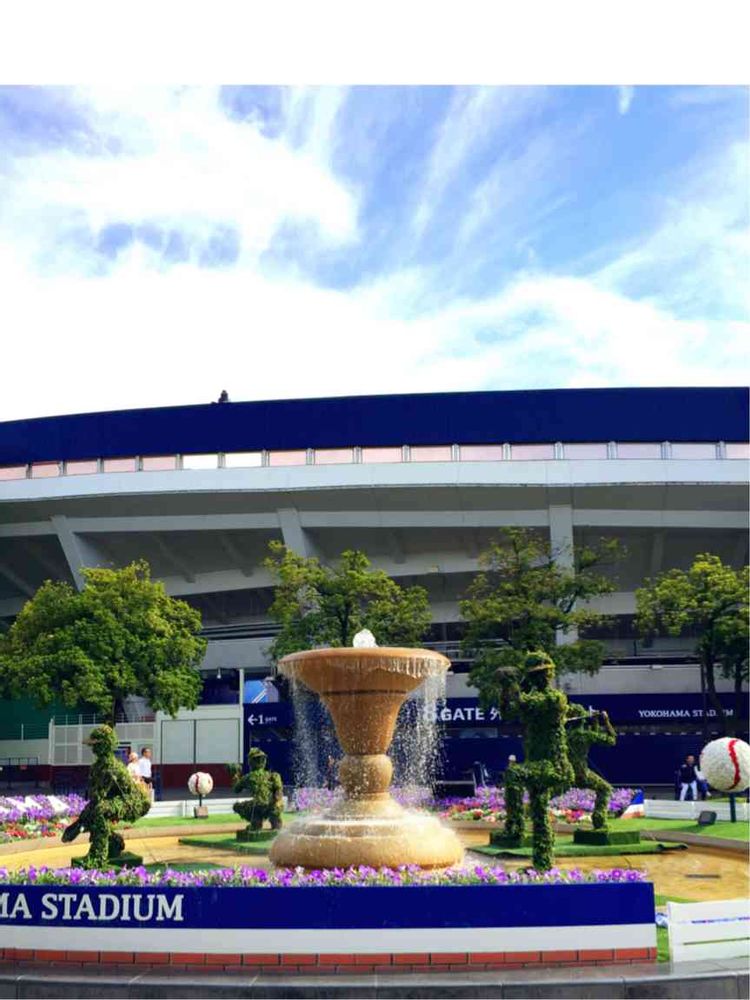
(534, 415)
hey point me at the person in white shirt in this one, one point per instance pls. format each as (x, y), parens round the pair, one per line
(134, 767)
(145, 768)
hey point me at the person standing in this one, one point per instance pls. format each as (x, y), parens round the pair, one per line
(134, 768)
(688, 778)
(144, 764)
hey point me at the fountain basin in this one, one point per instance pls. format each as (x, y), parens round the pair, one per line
(363, 689)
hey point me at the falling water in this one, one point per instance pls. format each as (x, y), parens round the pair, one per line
(314, 738)
(416, 748)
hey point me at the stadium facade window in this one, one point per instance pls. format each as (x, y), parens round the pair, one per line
(737, 449)
(334, 456)
(243, 460)
(158, 463)
(81, 468)
(13, 472)
(585, 450)
(375, 455)
(532, 452)
(481, 452)
(119, 465)
(431, 453)
(200, 461)
(287, 457)
(704, 449)
(45, 470)
(644, 449)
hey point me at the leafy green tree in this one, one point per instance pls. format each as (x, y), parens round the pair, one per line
(319, 605)
(710, 599)
(122, 634)
(519, 603)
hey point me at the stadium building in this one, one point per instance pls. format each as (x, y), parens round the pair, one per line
(420, 483)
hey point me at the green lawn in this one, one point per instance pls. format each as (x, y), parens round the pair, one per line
(228, 842)
(725, 829)
(157, 821)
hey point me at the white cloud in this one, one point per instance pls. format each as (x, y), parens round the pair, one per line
(136, 332)
(475, 114)
(624, 99)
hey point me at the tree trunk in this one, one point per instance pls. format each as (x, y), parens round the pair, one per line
(713, 696)
(116, 708)
(739, 701)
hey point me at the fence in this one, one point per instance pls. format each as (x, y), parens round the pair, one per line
(719, 929)
(666, 809)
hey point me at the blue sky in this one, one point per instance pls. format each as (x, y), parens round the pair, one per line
(158, 245)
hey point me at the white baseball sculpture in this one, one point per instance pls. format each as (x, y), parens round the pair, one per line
(200, 784)
(725, 764)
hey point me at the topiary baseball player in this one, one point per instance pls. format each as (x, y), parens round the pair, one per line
(546, 769)
(265, 799)
(584, 730)
(113, 798)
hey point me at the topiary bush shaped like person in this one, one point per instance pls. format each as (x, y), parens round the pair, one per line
(546, 769)
(265, 794)
(584, 730)
(113, 798)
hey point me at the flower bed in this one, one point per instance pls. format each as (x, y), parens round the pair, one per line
(310, 799)
(574, 806)
(365, 920)
(405, 875)
(33, 816)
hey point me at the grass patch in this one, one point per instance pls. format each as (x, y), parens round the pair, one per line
(183, 866)
(232, 817)
(565, 848)
(228, 842)
(723, 828)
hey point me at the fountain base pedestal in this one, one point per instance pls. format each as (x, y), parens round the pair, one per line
(378, 833)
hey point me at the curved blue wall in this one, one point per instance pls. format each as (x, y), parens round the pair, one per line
(672, 414)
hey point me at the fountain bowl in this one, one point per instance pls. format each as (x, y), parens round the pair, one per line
(363, 689)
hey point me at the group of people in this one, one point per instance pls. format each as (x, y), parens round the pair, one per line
(139, 769)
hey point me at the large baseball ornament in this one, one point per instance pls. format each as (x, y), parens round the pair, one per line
(200, 784)
(725, 764)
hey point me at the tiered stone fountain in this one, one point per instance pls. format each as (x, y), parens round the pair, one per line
(363, 688)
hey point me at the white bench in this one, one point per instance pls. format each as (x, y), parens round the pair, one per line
(719, 929)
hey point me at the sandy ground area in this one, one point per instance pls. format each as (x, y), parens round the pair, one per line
(696, 874)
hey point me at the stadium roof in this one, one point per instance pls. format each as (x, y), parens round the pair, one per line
(528, 416)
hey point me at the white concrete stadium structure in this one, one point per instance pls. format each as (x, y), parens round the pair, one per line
(664, 471)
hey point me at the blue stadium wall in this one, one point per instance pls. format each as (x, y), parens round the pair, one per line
(537, 416)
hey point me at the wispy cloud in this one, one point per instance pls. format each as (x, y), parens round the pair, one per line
(624, 99)
(136, 230)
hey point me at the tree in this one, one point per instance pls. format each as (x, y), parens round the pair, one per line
(711, 599)
(323, 606)
(519, 603)
(122, 634)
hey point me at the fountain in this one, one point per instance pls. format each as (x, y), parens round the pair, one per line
(363, 688)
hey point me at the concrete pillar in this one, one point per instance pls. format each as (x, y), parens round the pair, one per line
(294, 535)
(78, 551)
(561, 541)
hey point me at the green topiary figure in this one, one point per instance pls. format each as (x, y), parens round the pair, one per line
(546, 769)
(113, 798)
(265, 800)
(584, 730)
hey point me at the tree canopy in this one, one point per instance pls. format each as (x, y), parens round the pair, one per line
(521, 600)
(121, 635)
(711, 600)
(319, 605)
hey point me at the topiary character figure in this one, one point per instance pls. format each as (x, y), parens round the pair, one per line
(546, 769)
(265, 794)
(584, 730)
(113, 798)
